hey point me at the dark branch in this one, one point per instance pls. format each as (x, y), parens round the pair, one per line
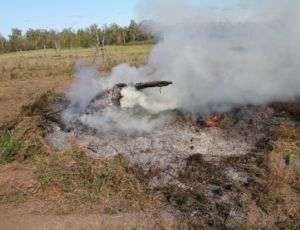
(151, 84)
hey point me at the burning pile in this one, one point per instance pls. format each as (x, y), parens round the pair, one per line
(100, 128)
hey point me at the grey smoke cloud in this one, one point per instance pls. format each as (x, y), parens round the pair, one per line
(247, 55)
(218, 65)
(139, 111)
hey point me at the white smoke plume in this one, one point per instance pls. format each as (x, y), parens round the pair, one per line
(124, 121)
(234, 54)
(152, 103)
(251, 57)
(138, 112)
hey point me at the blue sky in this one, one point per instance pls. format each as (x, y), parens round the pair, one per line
(59, 14)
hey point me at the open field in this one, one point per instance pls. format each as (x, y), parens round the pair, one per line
(25, 75)
(42, 188)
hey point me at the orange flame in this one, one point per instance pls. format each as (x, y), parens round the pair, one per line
(211, 121)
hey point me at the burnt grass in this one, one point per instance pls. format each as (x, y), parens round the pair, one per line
(212, 200)
(269, 198)
(264, 195)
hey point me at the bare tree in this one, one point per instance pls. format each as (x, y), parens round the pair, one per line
(100, 42)
(97, 46)
(124, 37)
(57, 46)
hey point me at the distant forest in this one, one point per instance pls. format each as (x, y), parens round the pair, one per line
(92, 36)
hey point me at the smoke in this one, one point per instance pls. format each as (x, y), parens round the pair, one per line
(85, 85)
(124, 121)
(218, 57)
(216, 65)
(152, 103)
(138, 112)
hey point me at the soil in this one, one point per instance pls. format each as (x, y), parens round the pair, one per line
(22, 219)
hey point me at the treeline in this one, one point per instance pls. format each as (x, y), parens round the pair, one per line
(91, 36)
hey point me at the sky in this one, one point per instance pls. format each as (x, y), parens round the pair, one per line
(59, 14)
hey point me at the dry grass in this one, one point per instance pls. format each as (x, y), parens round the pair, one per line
(82, 183)
(24, 76)
(272, 198)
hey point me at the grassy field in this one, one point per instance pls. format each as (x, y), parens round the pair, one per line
(26, 75)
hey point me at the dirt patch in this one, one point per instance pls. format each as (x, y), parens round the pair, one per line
(121, 221)
(17, 178)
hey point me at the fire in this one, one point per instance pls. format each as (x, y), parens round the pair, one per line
(212, 120)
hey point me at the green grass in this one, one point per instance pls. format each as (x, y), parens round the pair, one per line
(12, 198)
(8, 148)
(291, 156)
(264, 205)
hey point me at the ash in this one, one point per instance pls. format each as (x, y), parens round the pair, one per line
(169, 144)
